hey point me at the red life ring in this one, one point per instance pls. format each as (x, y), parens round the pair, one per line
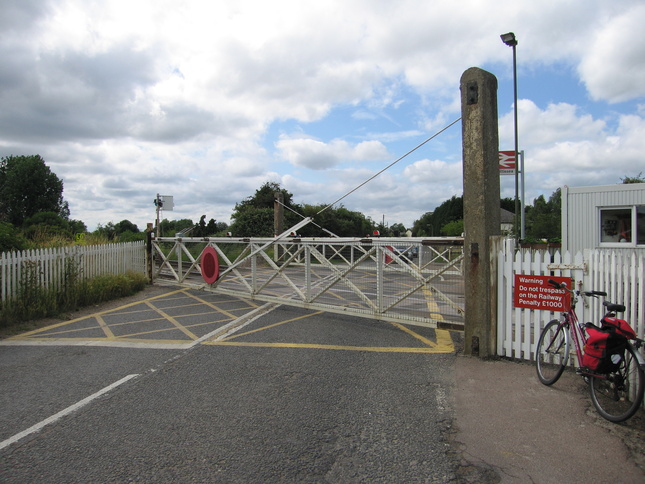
(210, 265)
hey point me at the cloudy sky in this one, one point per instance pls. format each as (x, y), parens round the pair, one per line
(206, 100)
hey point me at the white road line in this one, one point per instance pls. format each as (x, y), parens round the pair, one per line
(62, 413)
(236, 325)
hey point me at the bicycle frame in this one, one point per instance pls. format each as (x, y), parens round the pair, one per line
(570, 321)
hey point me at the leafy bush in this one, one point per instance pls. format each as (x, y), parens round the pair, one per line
(35, 302)
(10, 239)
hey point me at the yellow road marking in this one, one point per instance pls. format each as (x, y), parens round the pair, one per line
(271, 326)
(379, 349)
(433, 307)
(65, 323)
(106, 329)
(179, 326)
(443, 342)
(213, 306)
(116, 339)
(444, 338)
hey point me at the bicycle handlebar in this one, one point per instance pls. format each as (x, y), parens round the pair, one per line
(557, 285)
(562, 285)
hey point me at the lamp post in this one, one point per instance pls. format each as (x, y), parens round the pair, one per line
(510, 40)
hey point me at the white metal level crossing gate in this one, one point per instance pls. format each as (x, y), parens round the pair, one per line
(407, 280)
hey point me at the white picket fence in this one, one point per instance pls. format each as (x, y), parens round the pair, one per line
(621, 274)
(50, 265)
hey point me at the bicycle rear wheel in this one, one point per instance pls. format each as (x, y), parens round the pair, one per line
(552, 352)
(618, 395)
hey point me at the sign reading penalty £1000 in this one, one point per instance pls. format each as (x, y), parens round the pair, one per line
(534, 292)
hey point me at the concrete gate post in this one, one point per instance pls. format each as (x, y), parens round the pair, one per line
(481, 207)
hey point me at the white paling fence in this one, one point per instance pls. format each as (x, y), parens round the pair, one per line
(51, 267)
(621, 274)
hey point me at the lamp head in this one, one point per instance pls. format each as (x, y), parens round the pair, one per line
(509, 39)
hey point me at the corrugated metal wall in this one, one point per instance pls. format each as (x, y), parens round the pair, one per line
(580, 212)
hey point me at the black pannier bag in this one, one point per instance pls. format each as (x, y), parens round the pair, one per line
(604, 350)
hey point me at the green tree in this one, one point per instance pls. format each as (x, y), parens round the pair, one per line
(125, 226)
(254, 222)
(398, 230)
(28, 186)
(108, 230)
(169, 228)
(253, 217)
(46, 223)
(634, 179)
(543, 218)
(453, 229)
(77, 226)
(508, 204)
(430, 223)
(211, 227)
(10, 238)
(423, 227)
(433, 224)
(200, 228)
(339, 221)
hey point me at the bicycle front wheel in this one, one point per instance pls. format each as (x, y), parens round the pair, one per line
(618, 395)
(552, 352)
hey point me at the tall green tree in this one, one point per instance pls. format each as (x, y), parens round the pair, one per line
(430, 223)
(339, 221)
(27, 187)
(447, 218)
(125, 226)
(253, 217)
(543, 218)
(453, 229)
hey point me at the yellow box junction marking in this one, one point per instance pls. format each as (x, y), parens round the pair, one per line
(443, 344)
(67, 330)
(101, 313)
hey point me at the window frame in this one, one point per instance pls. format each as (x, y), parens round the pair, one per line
(633, 209)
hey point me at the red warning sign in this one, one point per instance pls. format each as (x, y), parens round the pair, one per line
(210, 265)
(534, 292)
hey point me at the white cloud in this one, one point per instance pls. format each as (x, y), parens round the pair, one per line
(566, 147)
(541, 127)
(433, 172)
(317, 155)
(128, 99)
(613, 67)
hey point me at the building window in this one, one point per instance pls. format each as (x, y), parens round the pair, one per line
(624, 225)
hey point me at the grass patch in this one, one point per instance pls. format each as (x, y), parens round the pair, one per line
(35, 302)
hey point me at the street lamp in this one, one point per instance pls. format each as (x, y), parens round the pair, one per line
(510, 40)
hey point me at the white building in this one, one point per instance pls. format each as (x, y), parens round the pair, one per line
(603, 217)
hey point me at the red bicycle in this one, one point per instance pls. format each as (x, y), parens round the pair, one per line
(617, 394)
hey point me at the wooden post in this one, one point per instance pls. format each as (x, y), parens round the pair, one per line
(149, 253)
(278, 221)
(481, 207)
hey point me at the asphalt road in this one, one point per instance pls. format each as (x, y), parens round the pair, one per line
(293, 396)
